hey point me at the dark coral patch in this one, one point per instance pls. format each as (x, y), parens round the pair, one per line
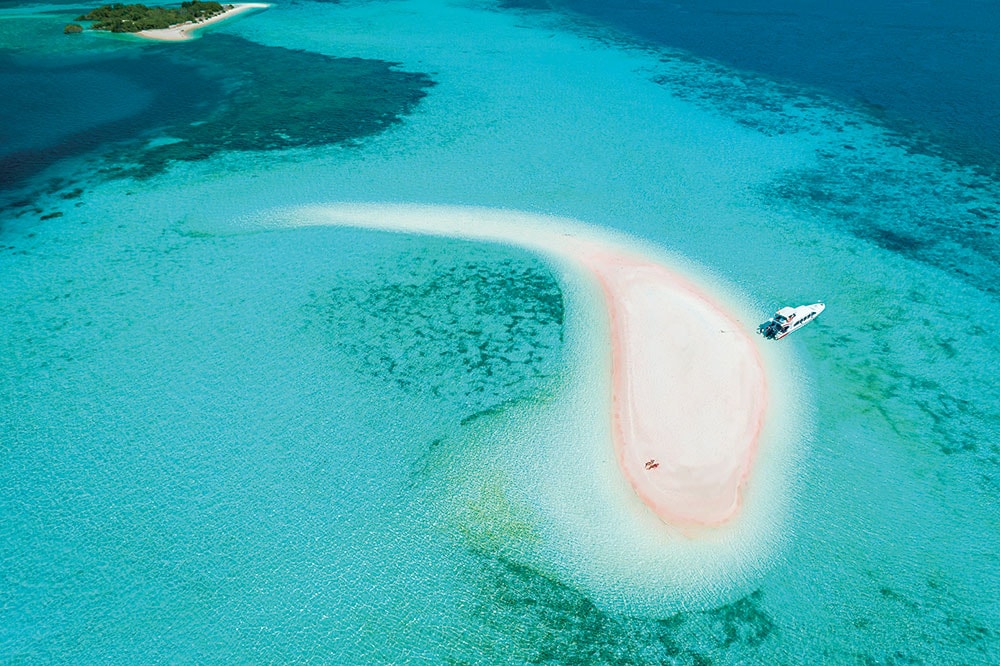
(909, 208)
(280, 98)
(219, 93)
(479, 326)
(535, 619)
(929, 625)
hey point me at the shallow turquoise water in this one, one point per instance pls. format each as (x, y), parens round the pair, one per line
(224, 442)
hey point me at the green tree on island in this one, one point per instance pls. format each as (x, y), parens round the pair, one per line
(133, 18)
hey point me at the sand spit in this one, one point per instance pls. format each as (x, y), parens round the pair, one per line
(688, 390)
(184, 31)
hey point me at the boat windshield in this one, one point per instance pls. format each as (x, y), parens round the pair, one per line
(779, 318)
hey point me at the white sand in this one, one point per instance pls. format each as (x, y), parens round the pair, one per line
(184, 31)
(688, 386)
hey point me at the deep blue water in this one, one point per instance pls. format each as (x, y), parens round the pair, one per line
(930, 70)
(926, 66)
(66, 106)
(212, 94)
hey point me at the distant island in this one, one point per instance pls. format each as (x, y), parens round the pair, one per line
(135, 18)
(162, 23)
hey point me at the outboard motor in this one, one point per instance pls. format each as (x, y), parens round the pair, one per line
(768, 329)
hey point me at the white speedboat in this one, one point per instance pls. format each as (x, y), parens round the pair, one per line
(787, 320)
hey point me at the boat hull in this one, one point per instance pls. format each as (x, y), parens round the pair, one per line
(790, 319)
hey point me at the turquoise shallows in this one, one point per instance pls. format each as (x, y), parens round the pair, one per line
(222, 441)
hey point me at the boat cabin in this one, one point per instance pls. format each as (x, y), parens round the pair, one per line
(784, 315)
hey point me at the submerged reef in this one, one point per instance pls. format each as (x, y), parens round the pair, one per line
(528, 617)
(278, 98)
(219, 93)
(477, 327)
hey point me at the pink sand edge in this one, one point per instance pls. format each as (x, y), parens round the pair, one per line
(685, 478)
(688, 476)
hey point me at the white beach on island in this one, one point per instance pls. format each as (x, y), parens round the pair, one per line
(184, 31)
(688, 388)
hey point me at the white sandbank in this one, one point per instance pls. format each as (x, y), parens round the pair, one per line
(688, 390)
(184, 31)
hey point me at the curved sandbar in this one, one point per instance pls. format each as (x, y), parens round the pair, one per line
(688, 389)
(184, 31)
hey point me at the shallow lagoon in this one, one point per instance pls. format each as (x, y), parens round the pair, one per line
(209, 455)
